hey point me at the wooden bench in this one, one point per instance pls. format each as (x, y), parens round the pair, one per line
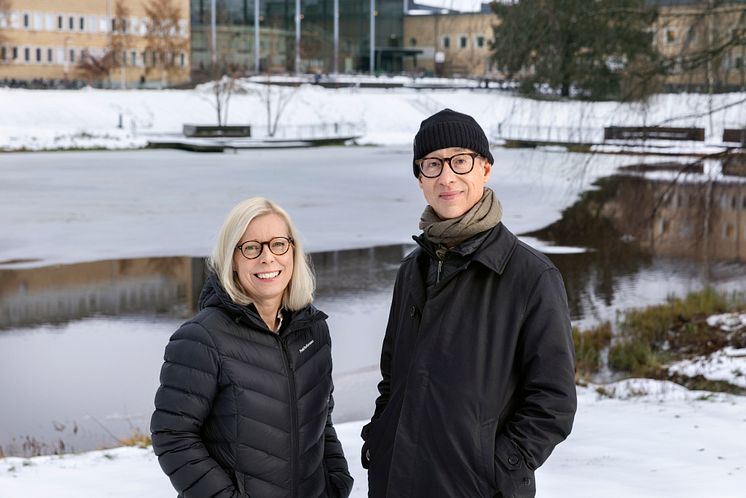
(654, 133)
(735, 135)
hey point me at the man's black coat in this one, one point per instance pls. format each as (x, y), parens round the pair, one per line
(478, 376)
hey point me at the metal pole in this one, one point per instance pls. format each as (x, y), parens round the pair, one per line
(372, 36)
(257, 46)
(297, 36)
(213, 34)
(335, 64)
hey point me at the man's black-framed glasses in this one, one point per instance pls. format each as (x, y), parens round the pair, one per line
(461, 164)
(252, 249)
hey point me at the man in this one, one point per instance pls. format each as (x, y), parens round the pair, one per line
(477, 361)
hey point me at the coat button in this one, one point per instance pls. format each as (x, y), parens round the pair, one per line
(526, 481)
(513, 459)
(412, 311)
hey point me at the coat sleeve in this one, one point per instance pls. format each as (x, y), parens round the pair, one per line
(546, 405)
(189, 383)
(334, 458)
(384, 386)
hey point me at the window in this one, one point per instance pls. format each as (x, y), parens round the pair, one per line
(71, 23)
(72, 55)
(133, 58)
(446, 42)
(27, 54)
(82, 23)
(691, 35)
(2, 53)
(728, 231)
(49, 22)
(38, 55)
(15, 53)
(26, 21)
(463, 42)
(670, 35)
(60, 23)
(50, 55)
(480, 41)
(413, 42)
(662, 226)
(183, 60)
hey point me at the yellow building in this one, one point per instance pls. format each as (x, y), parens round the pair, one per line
(48, 39)
(686, 30)
(453, 44)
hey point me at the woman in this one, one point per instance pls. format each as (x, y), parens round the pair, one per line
(245, 402)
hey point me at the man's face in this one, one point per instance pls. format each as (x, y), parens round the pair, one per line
(451, 195)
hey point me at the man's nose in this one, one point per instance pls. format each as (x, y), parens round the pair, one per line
(447, 175)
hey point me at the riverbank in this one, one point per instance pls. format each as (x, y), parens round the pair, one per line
(37, 120)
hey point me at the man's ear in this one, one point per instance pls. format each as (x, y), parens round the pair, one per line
(487, 170)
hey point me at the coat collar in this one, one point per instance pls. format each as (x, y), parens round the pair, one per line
(496, 250)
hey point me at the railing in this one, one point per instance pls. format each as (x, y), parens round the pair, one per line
(310, 131)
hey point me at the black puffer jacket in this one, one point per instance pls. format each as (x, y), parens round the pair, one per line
(244, 412)
(478, 374)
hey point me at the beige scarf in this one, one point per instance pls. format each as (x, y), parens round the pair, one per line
(485, 214)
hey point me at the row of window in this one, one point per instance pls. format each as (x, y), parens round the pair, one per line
(479, 41)
(40, 21)
(72, 55)
(686, 230)
(681, 200)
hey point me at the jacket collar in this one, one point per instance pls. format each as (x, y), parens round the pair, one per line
(213, 295)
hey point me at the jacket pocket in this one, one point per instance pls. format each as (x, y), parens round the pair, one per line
(513, 477)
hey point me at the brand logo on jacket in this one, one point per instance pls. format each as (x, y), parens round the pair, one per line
(306, 346)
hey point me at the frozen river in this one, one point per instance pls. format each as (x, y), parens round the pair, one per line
(97, 252)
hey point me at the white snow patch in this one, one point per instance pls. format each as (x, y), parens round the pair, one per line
(728, 364)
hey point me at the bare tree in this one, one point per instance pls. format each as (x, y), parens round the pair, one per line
(165, 41)
(98, 67)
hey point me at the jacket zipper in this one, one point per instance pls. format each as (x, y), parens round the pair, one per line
(437, 275)
(293, 418)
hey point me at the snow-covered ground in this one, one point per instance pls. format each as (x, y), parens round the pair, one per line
(650, 440)
(89, 118)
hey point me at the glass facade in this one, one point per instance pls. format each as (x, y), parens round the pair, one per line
(235, 36)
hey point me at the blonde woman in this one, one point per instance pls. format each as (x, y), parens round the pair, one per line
(245, 403)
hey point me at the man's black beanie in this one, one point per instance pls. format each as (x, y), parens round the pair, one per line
(449, 128)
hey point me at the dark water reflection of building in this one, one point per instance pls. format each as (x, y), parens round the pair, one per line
(169, 285)
(669, 216)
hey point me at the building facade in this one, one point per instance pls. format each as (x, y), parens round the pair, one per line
(53, 39)
(452, 44)
(704, 42)
(235, 38)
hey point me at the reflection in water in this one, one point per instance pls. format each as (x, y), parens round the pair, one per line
(164, 285)
(670, 222)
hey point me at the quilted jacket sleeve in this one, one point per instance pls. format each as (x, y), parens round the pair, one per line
(336, 463)
(189, 383)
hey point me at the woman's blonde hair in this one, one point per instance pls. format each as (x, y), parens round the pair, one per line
(299, 292)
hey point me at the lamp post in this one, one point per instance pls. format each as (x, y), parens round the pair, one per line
(335, 62)
(297, 36)
(372, 54)
(257, 45)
